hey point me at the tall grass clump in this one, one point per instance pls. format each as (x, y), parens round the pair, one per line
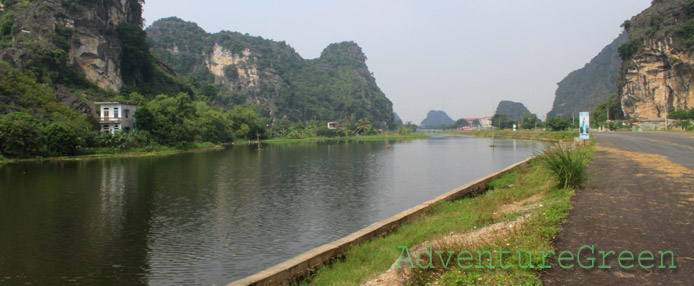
(569, 167)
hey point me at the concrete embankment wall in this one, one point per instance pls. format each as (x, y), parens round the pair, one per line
(299, 266)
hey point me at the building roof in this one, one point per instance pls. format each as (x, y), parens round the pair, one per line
(113, 103)
(481, 118)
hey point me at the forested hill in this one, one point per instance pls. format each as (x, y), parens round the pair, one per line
(238, 69)
(436, 119)
(513, 110)
(59, 57)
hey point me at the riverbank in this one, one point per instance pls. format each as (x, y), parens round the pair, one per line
(111, 153)
(393, 137)
(202, 147)
(521, 211)
(552, 136)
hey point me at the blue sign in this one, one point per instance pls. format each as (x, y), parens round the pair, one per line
(584, 125)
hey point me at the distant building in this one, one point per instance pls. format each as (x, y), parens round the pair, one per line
(484, 122)
(332, 125)
(116, 116)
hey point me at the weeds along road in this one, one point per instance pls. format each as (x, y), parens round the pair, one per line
(640, 197)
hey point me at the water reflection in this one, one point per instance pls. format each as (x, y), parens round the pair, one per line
(213, 217)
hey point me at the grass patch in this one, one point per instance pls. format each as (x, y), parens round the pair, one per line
(538, 231)
(570, 168)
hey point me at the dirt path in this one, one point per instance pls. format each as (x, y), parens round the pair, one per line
(640, 197)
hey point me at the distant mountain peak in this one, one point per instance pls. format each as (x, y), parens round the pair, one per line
(436, 119)
(513, 110)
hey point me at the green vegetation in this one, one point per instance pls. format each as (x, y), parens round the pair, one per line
(458, 124)
(611, 107)
(630, 48)
(335, 87)
(570, 168)
(231, 72)
(536, 233)
(136, 61)
(530, 121)
(688, 7)
(557, 124)
(686, 28)
(502, 121)
(20, 134)
(684, 118)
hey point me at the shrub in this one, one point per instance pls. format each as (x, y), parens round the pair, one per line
(678, 114)
(20, 135)
(557, 123)
(688, 7)
(570, 168)
(61, 139)
(325, 132)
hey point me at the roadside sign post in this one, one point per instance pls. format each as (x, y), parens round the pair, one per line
(584, 126)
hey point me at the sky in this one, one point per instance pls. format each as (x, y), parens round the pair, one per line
(460, 56)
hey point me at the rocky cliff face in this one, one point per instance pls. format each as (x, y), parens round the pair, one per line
(84, 30)
(585, 88)
(657, 75)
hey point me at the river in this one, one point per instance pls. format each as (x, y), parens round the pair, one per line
(207, 218)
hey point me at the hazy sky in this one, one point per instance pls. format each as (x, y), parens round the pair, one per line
(460, 56)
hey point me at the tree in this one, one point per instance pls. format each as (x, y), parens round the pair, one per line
(20, 135)
(212, 127)
(626, 25)
(231, 72)
(144, 118)
(246, 123)
(610, 106)
(530, 121)
(501, 121)
(557, 123)
(364, 127)
(136, 60)
(678, 114)
(61, 139)
(462, 123)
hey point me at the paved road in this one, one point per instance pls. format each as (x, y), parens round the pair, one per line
(640, 197)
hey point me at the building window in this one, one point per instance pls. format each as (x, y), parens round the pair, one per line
(105, 127)
(115, 112)
(127, 112)
(106, 115)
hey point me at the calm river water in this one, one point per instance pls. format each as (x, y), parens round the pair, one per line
(214, 217)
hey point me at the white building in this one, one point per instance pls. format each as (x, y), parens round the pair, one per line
(116, 116)
(484, 122)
